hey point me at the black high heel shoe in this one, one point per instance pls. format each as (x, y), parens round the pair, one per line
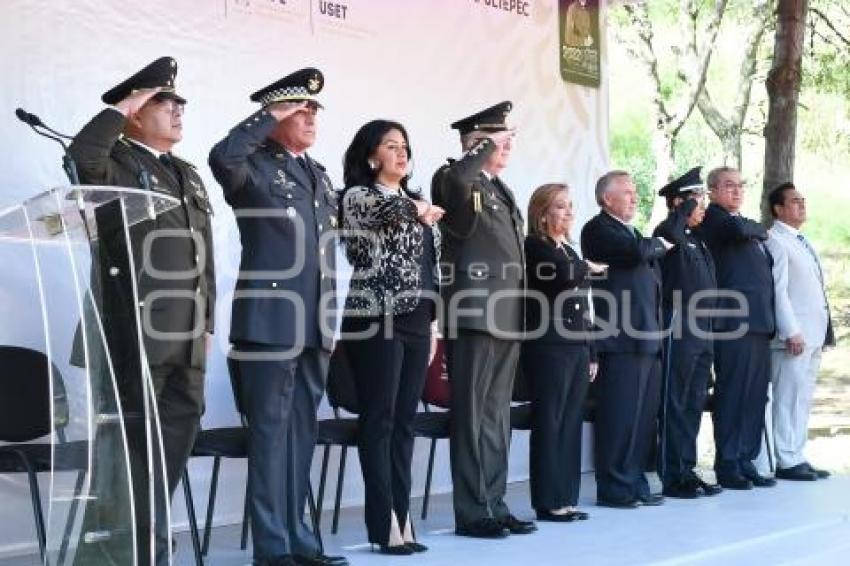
(416, 547)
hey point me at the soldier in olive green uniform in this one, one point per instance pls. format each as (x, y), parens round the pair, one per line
(483, 282)
(129, 145)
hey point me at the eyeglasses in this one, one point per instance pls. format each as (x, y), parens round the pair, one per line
(732, 186)
(172, 107)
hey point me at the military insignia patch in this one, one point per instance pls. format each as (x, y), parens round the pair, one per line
(314, 84)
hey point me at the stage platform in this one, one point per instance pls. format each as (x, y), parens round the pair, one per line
(792, 523)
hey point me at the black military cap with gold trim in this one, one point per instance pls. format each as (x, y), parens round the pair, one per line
(161, 73)
(491, 119)
(690, 182)
(302, 85)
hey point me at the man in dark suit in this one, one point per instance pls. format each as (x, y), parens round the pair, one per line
(629, 345)
(483, 280)
(282, 325)
(687, 273)
(741, 340)
(129, 144)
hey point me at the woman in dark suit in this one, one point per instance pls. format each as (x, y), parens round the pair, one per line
(557, 360)
(387, 325)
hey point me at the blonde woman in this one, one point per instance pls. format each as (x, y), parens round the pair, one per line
(560, 363)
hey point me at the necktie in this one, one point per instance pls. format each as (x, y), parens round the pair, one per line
(303, 163)
(168, 162)
(814, 254)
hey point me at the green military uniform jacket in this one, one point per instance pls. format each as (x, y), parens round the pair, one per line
(176, 286)
(483, 265)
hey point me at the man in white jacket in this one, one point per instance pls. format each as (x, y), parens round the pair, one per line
(803, 328)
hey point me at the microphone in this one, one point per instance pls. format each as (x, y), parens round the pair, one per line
(35, 123)
(27, 118)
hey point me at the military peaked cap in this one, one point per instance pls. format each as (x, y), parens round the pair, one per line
(690, 182)
(491, 119)
(161, 73)
(302, 85)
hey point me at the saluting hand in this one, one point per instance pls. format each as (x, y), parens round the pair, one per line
(131, 105)
(283, 110)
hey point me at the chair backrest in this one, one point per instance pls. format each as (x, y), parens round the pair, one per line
(25, 395)
(522, 387)
(342, 394)
(437, 389)
(235, 379)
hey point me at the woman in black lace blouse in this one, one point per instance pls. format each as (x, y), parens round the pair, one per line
(392, 244)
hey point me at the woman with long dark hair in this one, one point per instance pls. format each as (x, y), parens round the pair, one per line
(558, 363)
(389, 238)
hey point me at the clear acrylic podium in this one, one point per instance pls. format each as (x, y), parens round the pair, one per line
(69, 258)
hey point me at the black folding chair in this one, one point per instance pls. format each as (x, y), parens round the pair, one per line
(521, 402)
(227, 442)
(434, 424)
(339, 431)
(25, 415)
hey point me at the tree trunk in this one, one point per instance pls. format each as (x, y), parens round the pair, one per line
(662, 148)
(783, 89)
(732, 149)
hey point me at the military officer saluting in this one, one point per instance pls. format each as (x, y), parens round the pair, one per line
(687, 270)
(129, 144)
(281, 329)
(483, 274)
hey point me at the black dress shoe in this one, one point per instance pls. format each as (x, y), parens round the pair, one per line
(320, 560)
(618, 504)
(734, 482)
(681, 490)
(800, 472)
(546, 515)
(651, 500)
(821, 474)
(579, 515)
(516, 526)
(708, 489)
(276, 561)
(761, 481)
(395, 549)
(483, 528)
(416, 547)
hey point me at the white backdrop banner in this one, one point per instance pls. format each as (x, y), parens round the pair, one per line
(424, 63)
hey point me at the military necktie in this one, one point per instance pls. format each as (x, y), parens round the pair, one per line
(168, 162)
(303, 163)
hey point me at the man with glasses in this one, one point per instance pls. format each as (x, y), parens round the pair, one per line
(803, 329)
(742, 334)
(129, 144)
